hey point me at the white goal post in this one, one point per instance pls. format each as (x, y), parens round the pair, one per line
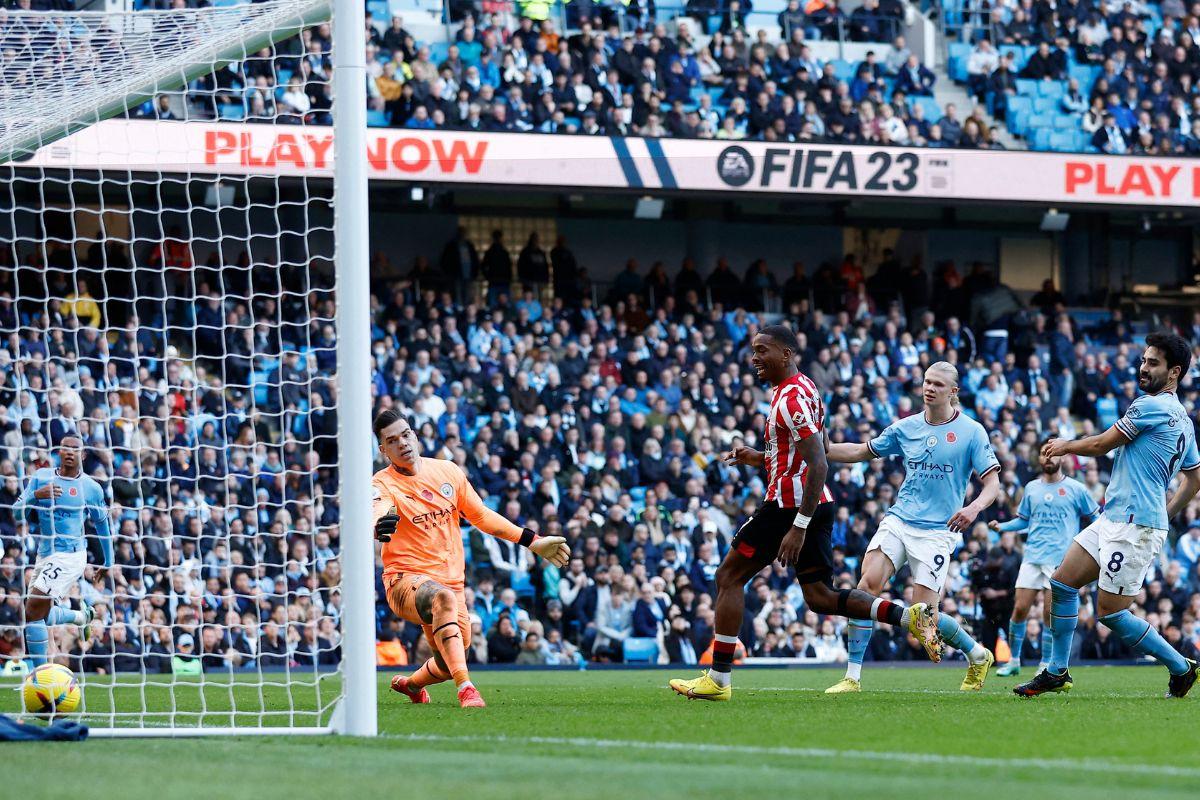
(207, 336)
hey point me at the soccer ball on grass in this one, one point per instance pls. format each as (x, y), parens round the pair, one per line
(51, 689)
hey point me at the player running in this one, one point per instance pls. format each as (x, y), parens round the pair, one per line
(1154, 441)
(794, 525)
(417, 503)
(55, 503)
(940, 448)
(1050, 511)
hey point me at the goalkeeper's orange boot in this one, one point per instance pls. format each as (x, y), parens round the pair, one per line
(400, 684)
(469, 697)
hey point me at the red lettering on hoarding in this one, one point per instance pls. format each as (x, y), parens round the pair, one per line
(421, 151)
(320, 147)
(217, 143)
(449, 158)
(1128, 178)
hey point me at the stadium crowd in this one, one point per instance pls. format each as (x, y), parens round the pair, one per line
(1140, 97)
(598, 415)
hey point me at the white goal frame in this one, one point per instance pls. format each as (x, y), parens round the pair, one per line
(355, 714)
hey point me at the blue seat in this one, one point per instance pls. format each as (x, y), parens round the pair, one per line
(640, 650)
(1041, 139)
(380, 11)
(843, 70)
(1082, 143)
(576, 121)
(1045, 105)
(1018, 121)
(932, 110)
(377, 119)
(713, 24)
(1027, 87)
(1018, 53)
(1106, 411)
(1066, 122)
(1053, 89)
(697, 92)
(438, 52)
(232, 112)
(1037, 120)
(957, 67)
(1061, 141)
(960, 50)
(715, 92)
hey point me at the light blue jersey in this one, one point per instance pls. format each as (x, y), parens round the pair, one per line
(938, 460)
(60, 519)
(1051, 512)
(1161, 442)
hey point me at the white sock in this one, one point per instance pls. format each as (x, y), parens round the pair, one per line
(906, 616)
(853, 671)
(464, 685)
(978, 654)
(721, 679)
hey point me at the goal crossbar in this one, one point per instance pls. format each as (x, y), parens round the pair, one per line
(104, 64)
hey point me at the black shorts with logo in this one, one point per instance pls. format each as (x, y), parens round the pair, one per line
(760, 537)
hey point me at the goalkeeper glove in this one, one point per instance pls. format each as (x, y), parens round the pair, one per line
(552, 548)
(385, 526)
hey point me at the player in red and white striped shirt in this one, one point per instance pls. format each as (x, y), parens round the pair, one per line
(794, 525)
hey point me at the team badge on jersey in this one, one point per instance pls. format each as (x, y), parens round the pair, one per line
(376, 494)
(1048, 497)
(798, 419)
(931, 441)
(447, 490)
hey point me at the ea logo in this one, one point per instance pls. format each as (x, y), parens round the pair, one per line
(931, 441)
(735, 165)
(447, 490)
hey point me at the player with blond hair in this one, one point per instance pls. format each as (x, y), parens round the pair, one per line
(417, 503)
(940, 448)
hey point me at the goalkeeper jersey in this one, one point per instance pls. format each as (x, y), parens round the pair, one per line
(428, 537)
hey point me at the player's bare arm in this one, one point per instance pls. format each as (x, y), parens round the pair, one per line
(965, 517)
(1090, 446)
(813, 451)
(741, 455)
(1186, 491)
(849, 453)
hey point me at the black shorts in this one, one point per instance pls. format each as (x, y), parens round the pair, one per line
(761, 535)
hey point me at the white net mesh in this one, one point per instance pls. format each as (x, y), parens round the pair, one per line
(62, 72)
(182, 327)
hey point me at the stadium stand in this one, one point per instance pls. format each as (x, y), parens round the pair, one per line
(1085, 77)
(597, 414)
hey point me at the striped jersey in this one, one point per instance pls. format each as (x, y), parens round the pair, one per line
(797, 412)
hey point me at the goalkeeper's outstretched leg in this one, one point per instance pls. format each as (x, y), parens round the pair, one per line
(442, 614)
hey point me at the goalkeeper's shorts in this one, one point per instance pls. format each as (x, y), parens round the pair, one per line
(409, 598)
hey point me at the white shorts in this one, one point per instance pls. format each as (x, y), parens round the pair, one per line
(1125, 552)
(1035, 576)
(926, 551)
(57, 573)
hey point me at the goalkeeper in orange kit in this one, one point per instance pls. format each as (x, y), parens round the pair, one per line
(417, 503)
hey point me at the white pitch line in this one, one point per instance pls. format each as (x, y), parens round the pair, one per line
(1076, 765)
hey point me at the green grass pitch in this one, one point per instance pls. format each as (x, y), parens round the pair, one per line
(623, 734)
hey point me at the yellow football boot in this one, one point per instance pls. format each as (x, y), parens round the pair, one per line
(702, 688)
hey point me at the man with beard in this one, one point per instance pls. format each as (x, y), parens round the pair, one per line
(1154, 442)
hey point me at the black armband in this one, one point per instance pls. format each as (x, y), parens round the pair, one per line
(528, 537)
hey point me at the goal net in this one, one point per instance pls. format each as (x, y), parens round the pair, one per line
(185, 319)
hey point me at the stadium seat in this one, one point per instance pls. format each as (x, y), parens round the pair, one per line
(1018, 121)
(1027, 87)
(377, 119)
(231, 112)
(1041, 139)
(640, 651)
(1061, 141)
(843, 70)
(1045, 105)
(1106, 411)
(1066, 122)
(380, 10)
(1017, 51)
(957, 67)
(932, 110)
(438, 51)
(960, 50)
(1055, 89)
